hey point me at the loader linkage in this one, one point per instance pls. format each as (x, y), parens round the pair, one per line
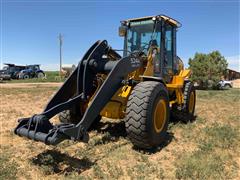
(76, 89)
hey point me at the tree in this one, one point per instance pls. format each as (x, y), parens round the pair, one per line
(207, 69)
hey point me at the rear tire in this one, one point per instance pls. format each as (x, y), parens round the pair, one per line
(26, 76)
(68, 116)
(147, 114)
(186, 112)
(189, 99)
(227, 86)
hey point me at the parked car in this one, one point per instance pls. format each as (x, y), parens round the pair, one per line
(4, 76)
(223, 84)
(10, 71)
(31, 71)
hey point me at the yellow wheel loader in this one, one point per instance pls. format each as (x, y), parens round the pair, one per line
(141, 87)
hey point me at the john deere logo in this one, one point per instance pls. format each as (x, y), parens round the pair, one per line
(135, 62)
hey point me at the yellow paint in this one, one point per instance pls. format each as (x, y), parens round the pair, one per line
(177, 83)
(113, 110)
(185, 73)
(149, 70)
(172, 102)
(126, 90)
(160, 115)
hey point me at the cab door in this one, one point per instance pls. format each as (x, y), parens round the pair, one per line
(168, 52)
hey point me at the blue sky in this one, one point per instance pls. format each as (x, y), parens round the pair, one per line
(29, 29)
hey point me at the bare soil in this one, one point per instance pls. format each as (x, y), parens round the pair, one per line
(29, 85)
(109, 154)
(236, 83)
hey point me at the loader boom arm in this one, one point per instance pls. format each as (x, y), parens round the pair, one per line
(74, 91)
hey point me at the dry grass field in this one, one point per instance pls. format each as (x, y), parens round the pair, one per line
(208, 148)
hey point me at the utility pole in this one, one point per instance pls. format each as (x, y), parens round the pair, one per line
(60, 37)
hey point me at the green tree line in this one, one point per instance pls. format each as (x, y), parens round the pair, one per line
(208, 69)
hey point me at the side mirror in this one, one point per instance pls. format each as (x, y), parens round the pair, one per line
(122, 31)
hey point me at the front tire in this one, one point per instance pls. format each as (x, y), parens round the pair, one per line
(147, 114)
(40, 75)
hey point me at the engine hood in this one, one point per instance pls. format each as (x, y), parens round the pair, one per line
(3, 72)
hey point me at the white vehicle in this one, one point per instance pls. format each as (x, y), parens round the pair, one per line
(223, 84)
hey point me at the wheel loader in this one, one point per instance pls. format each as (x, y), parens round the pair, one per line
(143, 86)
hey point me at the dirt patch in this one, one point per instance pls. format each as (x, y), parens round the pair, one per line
(236, 83)
(29, 85)
(109, 154)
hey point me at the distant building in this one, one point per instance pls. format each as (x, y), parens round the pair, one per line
(232, 74)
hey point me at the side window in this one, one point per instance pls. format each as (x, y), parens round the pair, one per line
(134, 38)
(169, 47)
(11, 69)
(132, 41)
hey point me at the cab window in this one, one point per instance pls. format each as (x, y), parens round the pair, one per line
(140, 34)
(169, 48)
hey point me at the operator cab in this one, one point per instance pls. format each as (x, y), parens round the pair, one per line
(155, 36)
(34, 67)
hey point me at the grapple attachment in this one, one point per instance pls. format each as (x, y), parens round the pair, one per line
(39, 128)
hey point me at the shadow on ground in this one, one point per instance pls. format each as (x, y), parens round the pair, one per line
(115, 130)
(55, 162)
(168, 139)
(182, 118)
(175, 119)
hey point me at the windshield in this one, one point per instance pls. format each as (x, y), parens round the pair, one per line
(140, 34)
(34, 68)
(5, 67)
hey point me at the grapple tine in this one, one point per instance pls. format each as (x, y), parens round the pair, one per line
(39, 128)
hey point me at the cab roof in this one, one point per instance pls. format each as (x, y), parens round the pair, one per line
(166, 18)
(14, 65)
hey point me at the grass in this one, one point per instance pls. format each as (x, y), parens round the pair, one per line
(8, 168)
(51, 76)
(221, 136)
(200, 165)
(207, 148)
(145, 168)
(231, 95)
(31, 91)
(210, 159)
